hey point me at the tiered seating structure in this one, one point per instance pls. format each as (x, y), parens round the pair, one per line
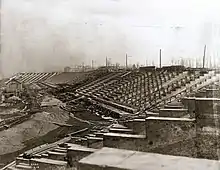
(28, 78)
(133, 91)
(190, 84)
(167, 134)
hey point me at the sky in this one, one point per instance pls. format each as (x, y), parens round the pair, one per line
(47, 35)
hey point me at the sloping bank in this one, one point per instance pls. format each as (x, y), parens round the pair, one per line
(36, 131)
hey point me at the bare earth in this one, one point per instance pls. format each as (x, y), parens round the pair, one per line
(13, 139)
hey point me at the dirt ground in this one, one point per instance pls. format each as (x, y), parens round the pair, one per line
(17, 138)
(38, 130)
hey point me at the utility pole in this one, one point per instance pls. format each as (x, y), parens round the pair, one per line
(126, 61)
(203, 66)
(160, 58)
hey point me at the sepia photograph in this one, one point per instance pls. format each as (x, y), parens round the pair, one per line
(109, 85)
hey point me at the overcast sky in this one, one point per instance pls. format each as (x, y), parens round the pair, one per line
(46, 35)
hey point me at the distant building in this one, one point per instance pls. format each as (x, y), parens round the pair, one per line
(147, 68)
(67, 69)
(109, 68)
(13, 87)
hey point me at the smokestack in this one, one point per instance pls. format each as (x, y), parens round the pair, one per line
(92, 64)
(106, 61)
(203, 66)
